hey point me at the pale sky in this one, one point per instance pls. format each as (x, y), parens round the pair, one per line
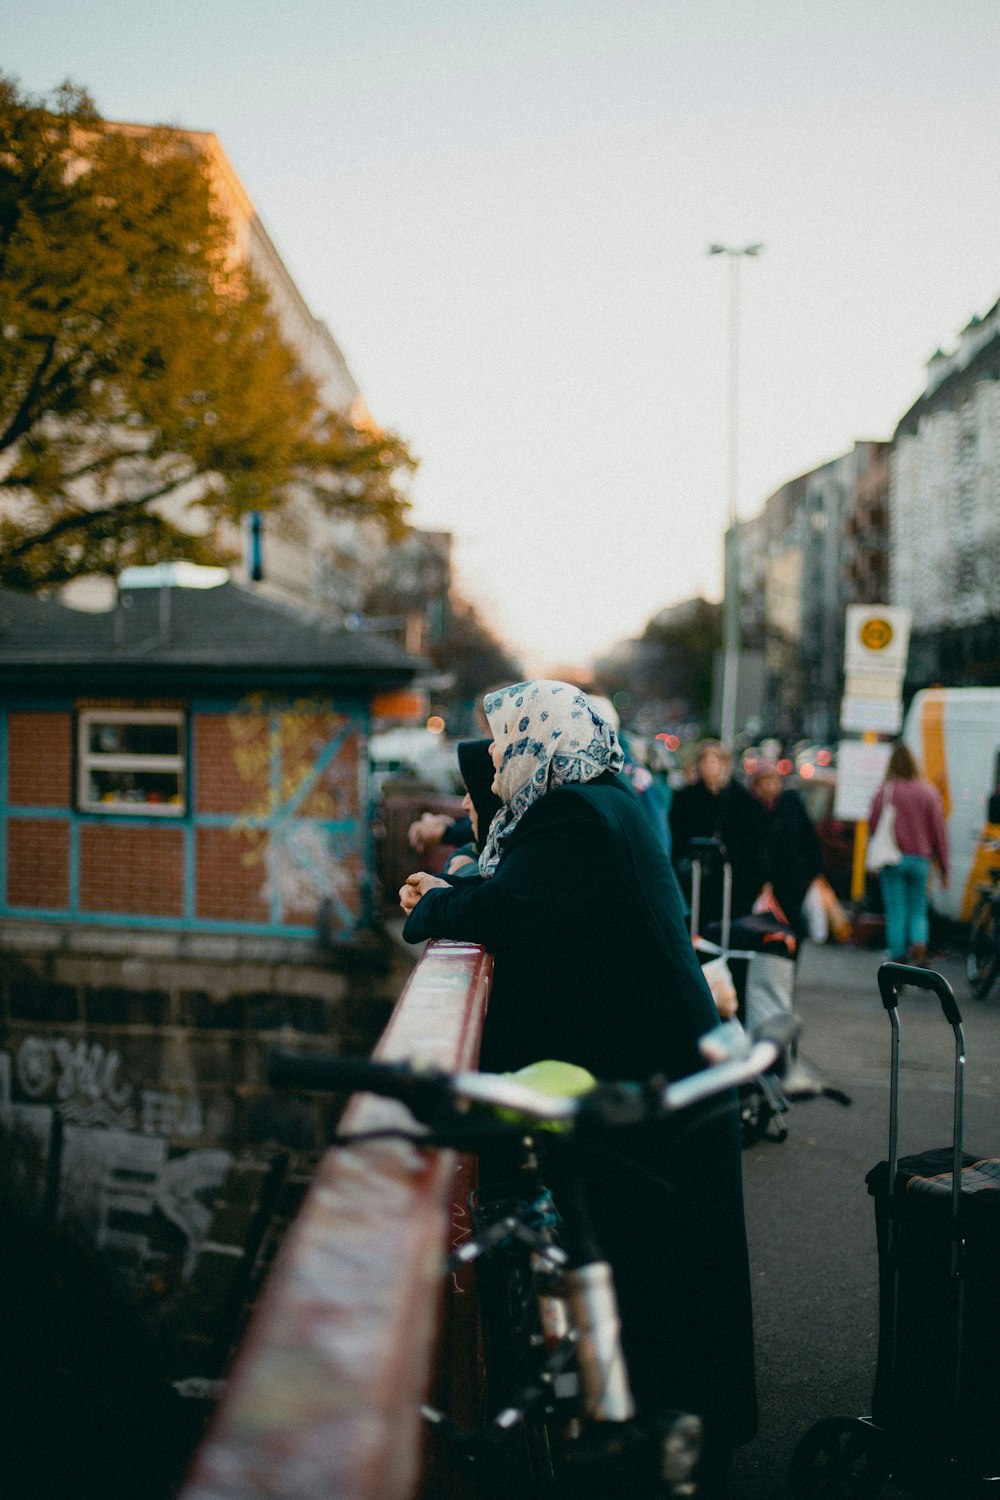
(502, 210)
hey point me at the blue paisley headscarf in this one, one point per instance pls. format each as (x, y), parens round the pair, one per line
(551, 735)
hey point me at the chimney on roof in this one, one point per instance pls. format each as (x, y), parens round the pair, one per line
(165, 577)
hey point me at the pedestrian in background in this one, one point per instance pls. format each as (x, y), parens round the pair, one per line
(715, 806)
(923, 841)
(789, 844)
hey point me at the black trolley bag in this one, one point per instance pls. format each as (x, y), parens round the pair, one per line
(935, 1424)
(937, 1218)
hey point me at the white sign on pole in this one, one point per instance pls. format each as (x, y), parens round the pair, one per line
(882, 715)
(861, 771)
(876, 636)
(876, 642)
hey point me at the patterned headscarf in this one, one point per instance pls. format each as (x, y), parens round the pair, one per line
(551, 735)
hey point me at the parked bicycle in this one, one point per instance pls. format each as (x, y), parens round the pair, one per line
(559, 1416)
(982, 961)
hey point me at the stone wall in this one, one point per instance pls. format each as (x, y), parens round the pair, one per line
(134, 1099)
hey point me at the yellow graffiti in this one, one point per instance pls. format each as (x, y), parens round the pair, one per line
(275, 749)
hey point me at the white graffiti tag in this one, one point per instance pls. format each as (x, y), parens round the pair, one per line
(85, 1077)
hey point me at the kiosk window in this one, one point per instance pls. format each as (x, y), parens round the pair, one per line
(131, 762)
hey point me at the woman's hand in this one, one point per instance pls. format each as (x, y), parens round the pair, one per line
(427, 831)
(416, 886)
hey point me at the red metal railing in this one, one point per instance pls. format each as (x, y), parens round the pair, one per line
(323, 1400)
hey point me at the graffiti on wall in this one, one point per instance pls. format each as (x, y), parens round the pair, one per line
(298, 763)
(121, 1176)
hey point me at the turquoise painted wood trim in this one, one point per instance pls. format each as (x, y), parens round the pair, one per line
(74, 865)
(162, 924)
(238, 820)
(350, 707)
(4, 763)
(274, 743)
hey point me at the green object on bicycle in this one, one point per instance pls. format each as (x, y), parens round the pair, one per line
(562, 1080)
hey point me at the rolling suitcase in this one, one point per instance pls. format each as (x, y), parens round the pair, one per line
(937, 1217)
(935, 1423)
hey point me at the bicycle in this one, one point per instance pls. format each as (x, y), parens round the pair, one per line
(560, 1417)
(982, 960)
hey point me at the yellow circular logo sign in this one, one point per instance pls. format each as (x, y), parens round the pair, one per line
(876, 634)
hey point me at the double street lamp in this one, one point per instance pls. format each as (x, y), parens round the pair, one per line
(731, 596)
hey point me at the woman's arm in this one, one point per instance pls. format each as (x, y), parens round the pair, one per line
(541, 882)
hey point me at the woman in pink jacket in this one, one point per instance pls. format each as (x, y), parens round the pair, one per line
(922, 839)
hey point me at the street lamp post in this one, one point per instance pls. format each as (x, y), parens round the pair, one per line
(731, 545)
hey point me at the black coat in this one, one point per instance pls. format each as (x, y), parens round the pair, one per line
(733, 816)
(593, 965)
(792, 856)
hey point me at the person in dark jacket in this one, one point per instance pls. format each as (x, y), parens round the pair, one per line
(480, 805)
(791, 854)
(717, 807)
(593, 965)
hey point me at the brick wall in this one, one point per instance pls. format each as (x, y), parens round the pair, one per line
(231, 876)
(138, 871)
(267, 845)
(38, 863)
(40, 759)
(231, 762)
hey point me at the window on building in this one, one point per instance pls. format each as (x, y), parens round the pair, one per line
(131, 761)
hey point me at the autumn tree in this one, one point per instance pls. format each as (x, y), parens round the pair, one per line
(147, 396)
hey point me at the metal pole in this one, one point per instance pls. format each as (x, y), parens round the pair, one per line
(731, 549)
(731, 545)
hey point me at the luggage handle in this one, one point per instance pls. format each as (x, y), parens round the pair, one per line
(702, 851)
(893, 977)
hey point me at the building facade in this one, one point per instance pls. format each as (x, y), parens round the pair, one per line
(817, 545)
(945, 513)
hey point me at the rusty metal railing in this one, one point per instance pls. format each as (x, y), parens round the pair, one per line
(323, 1399)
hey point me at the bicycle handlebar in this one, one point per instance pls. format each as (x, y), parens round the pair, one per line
(434, 1097)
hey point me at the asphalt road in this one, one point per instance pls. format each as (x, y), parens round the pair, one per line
(810, 1219)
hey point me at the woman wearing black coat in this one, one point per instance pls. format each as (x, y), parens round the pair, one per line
(717, 807)
(593, 965)
(789, 843)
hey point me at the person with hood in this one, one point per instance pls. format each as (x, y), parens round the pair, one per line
(593, 965)
(480, 805)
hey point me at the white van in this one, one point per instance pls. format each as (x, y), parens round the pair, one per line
(955, 735)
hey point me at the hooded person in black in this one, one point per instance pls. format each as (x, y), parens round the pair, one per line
(480, 805)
